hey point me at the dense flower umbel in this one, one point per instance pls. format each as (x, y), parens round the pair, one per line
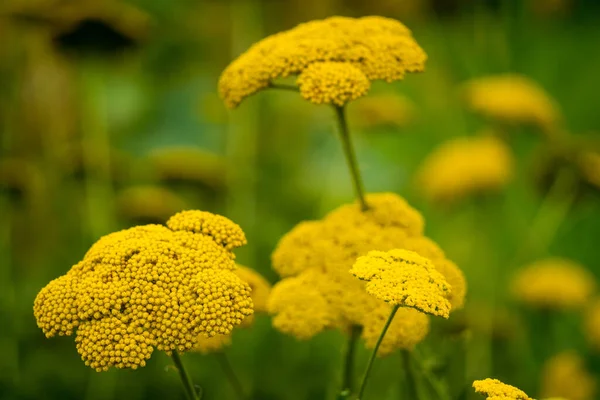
(316, 256)
(565, 375)
(402, 277)
(496, 390)
(381, 48)
(149, 287)
(332, 83)
(512, 99)
(465, 166)
(554, 283)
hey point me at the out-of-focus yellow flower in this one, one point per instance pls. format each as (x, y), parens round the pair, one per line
(554, 283)
(149, 287)
(465, 166)
(496, 322)
(332, 83)
(494, 389)
(316, 257)
(388, 109)
(512, 99)
(404, 278)
(381, 48)
(592, 325)
(589, 165)
(149, 204)
(565, 375)
(213, 344)
(189, 164)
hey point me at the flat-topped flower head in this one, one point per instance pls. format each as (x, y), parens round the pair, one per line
(554, 283)
(381, 48)
(512, 99)
(404, 278)
(465, 166)
(148, 287)
(332, 82)
(565, 375)
(494, 389)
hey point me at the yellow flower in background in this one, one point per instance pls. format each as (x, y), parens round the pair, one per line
(213, 344)
(386, 109)
(553, 283)
(565, 375)
(315, 257)
(465, 166)
(404, 278)
(331, 82)
(494, 389)
(149, 287)
(512, 99)
(149, 204)
(20, 177)
(381, 48)
(592, 325)
(189, 164)
(589, 166)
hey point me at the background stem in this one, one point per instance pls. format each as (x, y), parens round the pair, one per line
(348, 373)
(231, 376)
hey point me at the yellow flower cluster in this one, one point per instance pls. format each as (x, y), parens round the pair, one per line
(381, 48)
(465, 166)
(565, 375)
(315, 258)
(388, 109)
(149, 287)
(589, 166)
(554, 283)
(332, 82)
(592, 325)
(512, 99)
(496, 390)
(402, 277)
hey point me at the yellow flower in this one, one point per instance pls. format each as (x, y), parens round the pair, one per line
(408, 328)
(389, 109)
(493, 389)
(592, 325)
(553, 283)
(149, 287)
(465, 166)
(259, 286)
(404, 278)
(188, 164)
(512, 99)
(589, 165)
(149, 204)
(381, 48)
(332, 83)
(564, 375)
(213, 344)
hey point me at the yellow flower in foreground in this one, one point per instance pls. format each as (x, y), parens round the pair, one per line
(332, 83)
(465, 166)
(315, 258)
(512, 99)
(150, 204)
(592, 325)
(496, 390)
(389, 109)
(564, 375)
(149, 287)
(381, 48)
(404, 278)
(554, 283)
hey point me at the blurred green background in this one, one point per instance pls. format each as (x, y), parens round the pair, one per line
(109, 117)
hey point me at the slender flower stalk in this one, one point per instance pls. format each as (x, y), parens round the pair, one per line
(231, 376)
(440, 391)
(351, 157)
(411, 382)
(188, 385)
(348, 371)
(363, 385)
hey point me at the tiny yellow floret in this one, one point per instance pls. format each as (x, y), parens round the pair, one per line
(494, 389)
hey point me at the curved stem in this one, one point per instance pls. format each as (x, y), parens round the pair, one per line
(374, 354)
(188, 385)
(348, 373)
(230, 374)
(351, 157)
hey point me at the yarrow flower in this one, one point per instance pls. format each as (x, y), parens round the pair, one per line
(387, 109)
(332, 83)
(380, 48)
(554, 283)
(512, 99)
(404, 278)
(494, 389)
(315, 258)
(592, 325)
(465, 166)
(565, 375)
(149, 287)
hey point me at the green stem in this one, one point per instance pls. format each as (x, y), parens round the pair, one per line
(188, 385)
(231, 376)
(348, 373)
(434, 383)
(411, 382)
(351, 157)
(374, 354)
(284, 86)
